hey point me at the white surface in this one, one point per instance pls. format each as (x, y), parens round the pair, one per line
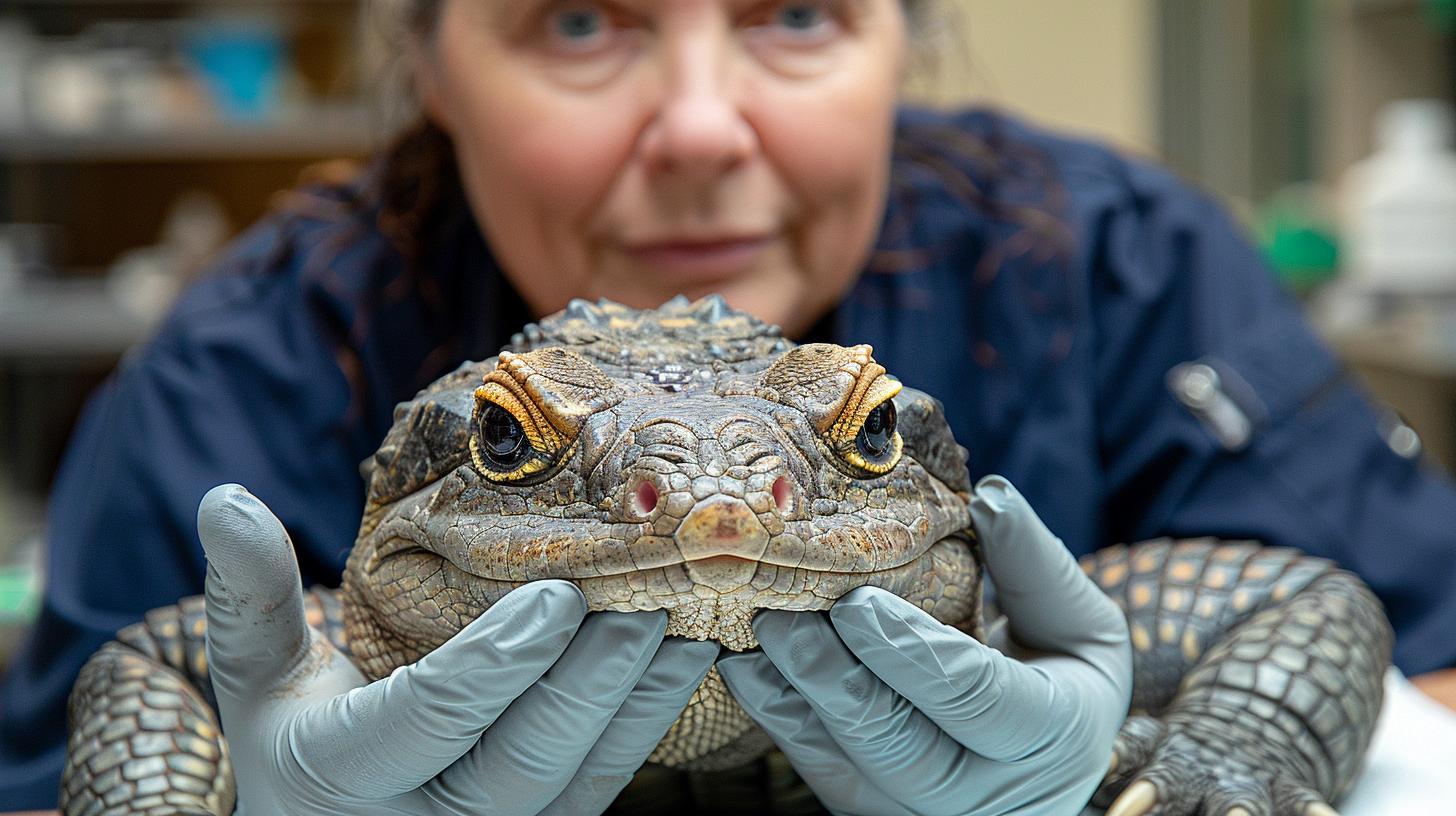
(1411, 769)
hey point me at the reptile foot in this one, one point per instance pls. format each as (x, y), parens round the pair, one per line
(1163, 770)
(1139, 798)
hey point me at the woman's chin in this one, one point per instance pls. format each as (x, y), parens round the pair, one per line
(771, 296)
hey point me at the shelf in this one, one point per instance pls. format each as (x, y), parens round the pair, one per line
(67, 320)
(336, 131)
(1397, 350)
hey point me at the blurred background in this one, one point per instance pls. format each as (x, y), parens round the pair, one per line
(137, 137)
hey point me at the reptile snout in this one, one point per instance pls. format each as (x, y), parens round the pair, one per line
(709, 489)
(721, 540)
(721, 525)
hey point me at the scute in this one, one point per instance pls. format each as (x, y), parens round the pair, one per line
(928, 439)
(628, 343)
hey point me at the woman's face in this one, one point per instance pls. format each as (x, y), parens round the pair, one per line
(638, 149)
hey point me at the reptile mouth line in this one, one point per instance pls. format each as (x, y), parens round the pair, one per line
(407, 547)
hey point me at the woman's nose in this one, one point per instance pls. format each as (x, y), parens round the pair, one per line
(699, 129)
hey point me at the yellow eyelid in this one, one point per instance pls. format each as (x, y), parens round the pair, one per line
(836, 387)
(852, 455)
(542, 435)
(533, 465)
(545, 441)
(872, 388)
(558, 386)
(550, 392)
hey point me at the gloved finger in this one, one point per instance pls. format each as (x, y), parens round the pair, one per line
(256, 629)
(998, 707)
(392, 735)
(787, 717)
(895, 746)
(659, 697)
(529, 755)
(1050, 604)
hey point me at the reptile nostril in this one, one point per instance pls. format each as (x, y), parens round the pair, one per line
(644, 498)
(783, 493)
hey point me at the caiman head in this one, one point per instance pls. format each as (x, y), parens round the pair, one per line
(685, 458)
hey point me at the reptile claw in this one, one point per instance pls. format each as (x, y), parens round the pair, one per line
(1320, 809)
(1138, 799)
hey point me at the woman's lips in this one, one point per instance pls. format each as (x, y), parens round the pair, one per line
(700, 260)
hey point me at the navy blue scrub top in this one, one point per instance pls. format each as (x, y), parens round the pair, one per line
(1055, 344)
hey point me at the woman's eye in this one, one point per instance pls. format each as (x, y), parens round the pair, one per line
(801, 16)
(581, 28)
(797, 25)
(578, 24)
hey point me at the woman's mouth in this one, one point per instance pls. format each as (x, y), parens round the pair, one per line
(688, 261)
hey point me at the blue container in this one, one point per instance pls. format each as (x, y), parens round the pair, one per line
(242, 61)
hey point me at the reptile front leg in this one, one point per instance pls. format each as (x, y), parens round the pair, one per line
(1258, 678)
(144, 735)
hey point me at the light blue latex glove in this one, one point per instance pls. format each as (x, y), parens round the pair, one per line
(535, 707)
(883, 710)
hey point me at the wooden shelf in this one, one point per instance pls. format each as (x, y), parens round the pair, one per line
(335, 131)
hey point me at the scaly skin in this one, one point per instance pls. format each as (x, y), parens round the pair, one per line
(690, 459)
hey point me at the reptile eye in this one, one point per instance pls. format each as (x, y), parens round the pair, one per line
(503, 441)
(877, 435)
(875, 447)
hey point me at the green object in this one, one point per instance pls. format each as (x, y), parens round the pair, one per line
(1298, 238)
(1304, 256)
(19, 595)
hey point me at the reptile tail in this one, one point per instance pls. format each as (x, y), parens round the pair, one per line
(144, 733)
(144, 738)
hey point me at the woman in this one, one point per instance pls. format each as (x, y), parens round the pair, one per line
(1045, 289)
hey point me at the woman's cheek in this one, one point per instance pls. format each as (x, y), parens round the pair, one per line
(833, 156)
(821, 135)
(564, 159)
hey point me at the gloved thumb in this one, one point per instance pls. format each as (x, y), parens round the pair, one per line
(1050, 603)
(256, 629)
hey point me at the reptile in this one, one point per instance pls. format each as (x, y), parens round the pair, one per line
(690, 458)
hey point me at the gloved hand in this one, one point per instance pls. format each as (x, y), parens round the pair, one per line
(535, 707)
(888, 711)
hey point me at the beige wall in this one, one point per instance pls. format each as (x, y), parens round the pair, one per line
(1084, 65)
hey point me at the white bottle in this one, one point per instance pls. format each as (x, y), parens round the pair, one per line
(1400, 203)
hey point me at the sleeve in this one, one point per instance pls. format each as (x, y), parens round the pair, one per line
(1220, 413)
(238, 387)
